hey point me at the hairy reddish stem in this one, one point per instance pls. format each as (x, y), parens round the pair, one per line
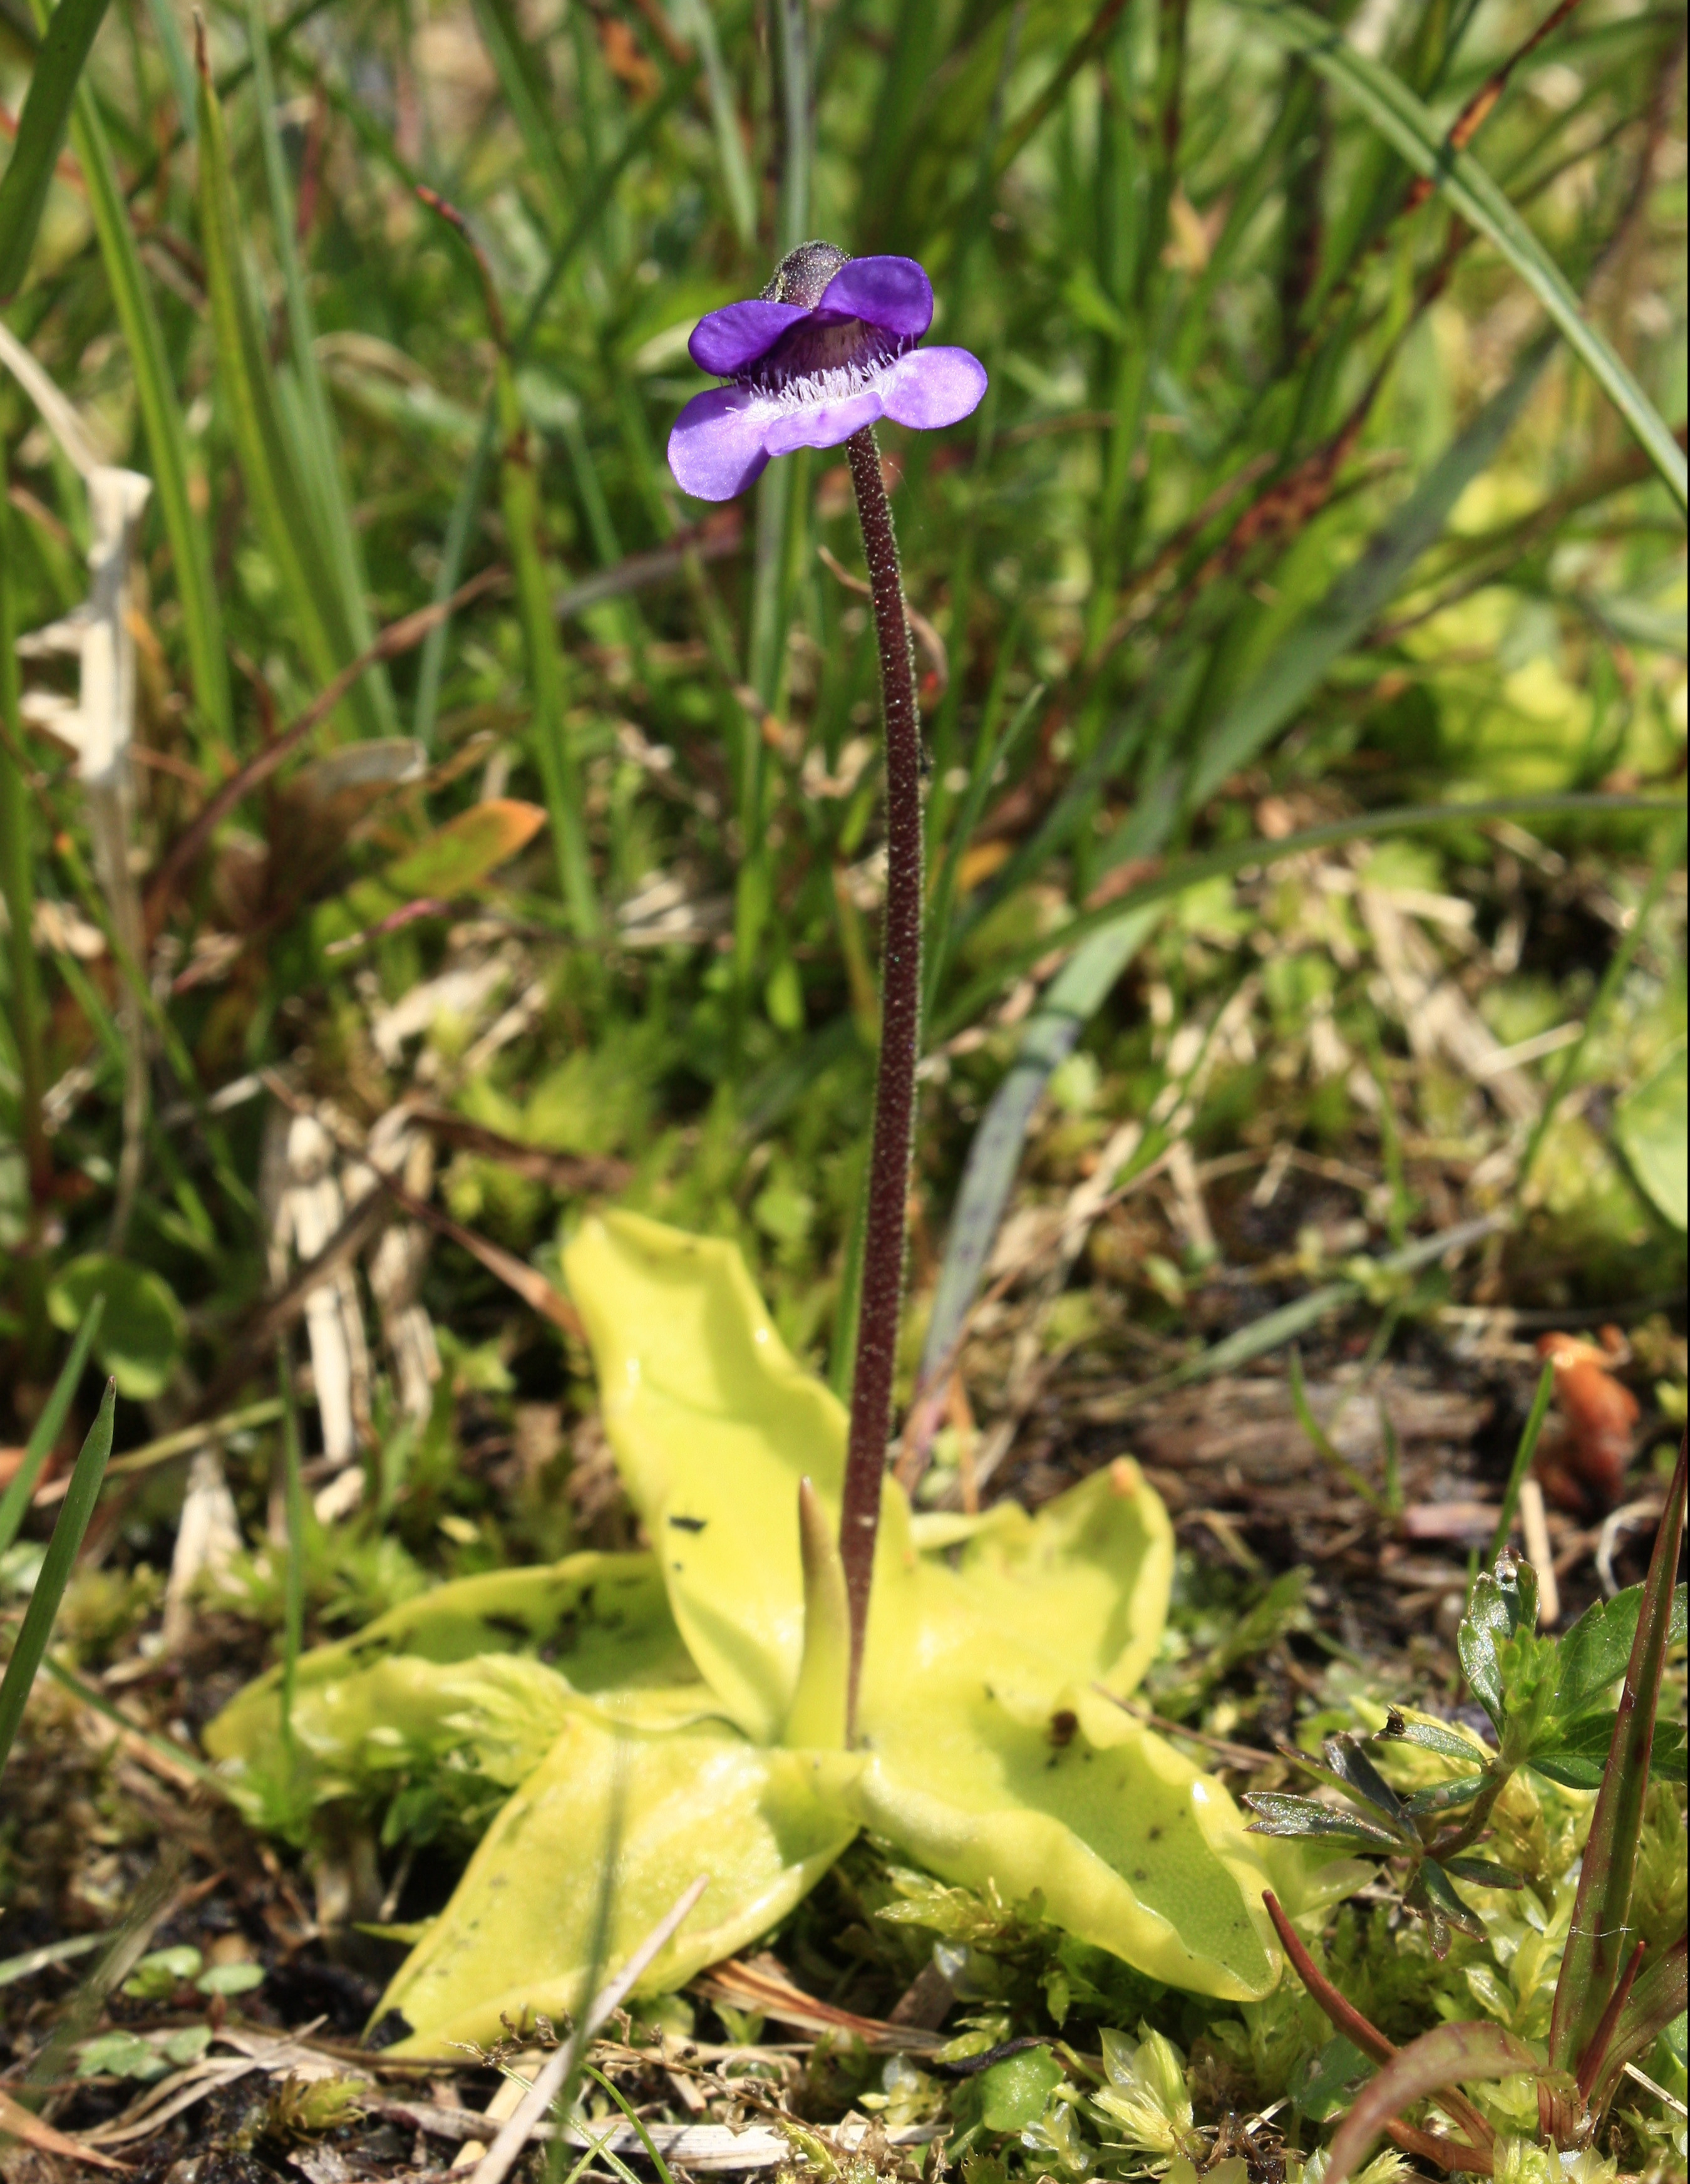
(894, 1123)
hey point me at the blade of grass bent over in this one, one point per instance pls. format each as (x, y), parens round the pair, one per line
(1597, 1940)
(55, 1571)
(67, 36)
(1401, 118)
(16, 1499)
(1435, 2064)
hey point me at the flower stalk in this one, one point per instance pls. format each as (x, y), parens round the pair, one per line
(832, 344)
(892, 1141)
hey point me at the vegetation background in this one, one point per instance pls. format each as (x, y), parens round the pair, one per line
(1327, 473)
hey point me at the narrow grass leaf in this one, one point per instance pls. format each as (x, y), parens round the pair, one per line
(1114, 936)
(59, 61)
(1600, 1934)
(55, 1572)
(304, 400)
(161, 418)
(18, 1495)
(1522, 1460)
(1405, 122)
(271, 460)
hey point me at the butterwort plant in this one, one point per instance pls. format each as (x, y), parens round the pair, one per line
(735, 1698)
(829, 348)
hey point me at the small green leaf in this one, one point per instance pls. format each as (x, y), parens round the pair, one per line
(1504, 1600)
(466, 848)
(1443, 1796)
(140, 1330)
(1285, 1815)
(120, 2055)
(230, 1978)
(189, 2044)
(1650, 1128)
(1574, 1752)
(1332, 2076)
(1434, 1892)
(1352, 1766)
(1483, 1872)
(1013, 2093)
(1430, 1736)
(1595, 1650)
(157, 1976)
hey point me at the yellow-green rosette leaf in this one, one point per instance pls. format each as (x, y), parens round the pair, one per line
(714, 1423)
(600, 1620)
(639, 1812)
(1131, 1847)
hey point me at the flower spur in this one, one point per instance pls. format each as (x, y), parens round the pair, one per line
(828, 348)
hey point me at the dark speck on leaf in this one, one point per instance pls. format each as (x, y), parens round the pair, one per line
(689, 1524)
(1063, 1725)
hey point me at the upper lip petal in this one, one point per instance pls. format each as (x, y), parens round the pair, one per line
(729, 341)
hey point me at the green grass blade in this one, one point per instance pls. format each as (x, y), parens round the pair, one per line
(1113, 936)
(63, 51)
(1344, 616)
(1522, 1461)
(304, 560)
(1600, 1937)
(991, 751)
(161, 417)
(175, 52)
(548, 680)
(528, 95)
(17, 891)
(1178, 879)
(55, 1572)
(298, 1525)
(313, 421)
(17, 1498)
(696, 22)
(1405, 123)
(1321, 1441)
(460, 528)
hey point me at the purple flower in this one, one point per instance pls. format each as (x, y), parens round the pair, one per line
(826, 349)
